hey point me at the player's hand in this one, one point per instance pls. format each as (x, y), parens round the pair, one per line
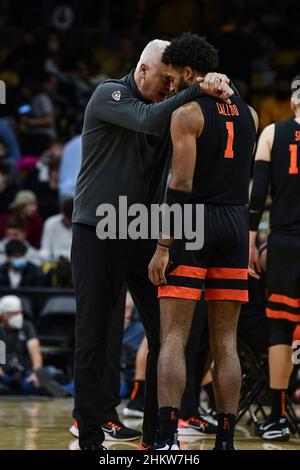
(216, 85)
(254, 267)
(33, 380)
(158, 265)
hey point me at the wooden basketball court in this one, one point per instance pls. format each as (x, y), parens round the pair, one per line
(42, 424)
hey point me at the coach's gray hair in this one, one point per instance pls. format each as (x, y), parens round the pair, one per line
(152, 52)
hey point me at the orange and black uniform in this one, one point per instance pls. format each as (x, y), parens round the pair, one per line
(283, 265)
(221, 182)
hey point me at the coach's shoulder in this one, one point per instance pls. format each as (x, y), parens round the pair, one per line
(111, 89)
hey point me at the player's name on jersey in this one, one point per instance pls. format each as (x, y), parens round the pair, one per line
(227, 109)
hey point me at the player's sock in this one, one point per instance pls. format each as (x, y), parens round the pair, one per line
(168, 423)
(225, 434)
(278, 403)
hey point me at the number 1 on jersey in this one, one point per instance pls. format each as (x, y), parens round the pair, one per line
(293, 170)
(229, 153)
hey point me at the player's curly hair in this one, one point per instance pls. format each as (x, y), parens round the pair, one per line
(191, 50)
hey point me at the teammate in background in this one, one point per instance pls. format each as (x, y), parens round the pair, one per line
(212, 148)
(277, 163)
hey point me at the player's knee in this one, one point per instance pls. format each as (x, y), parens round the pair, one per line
(224, 346)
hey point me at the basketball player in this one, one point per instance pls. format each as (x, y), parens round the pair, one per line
(119, 159)
(277, 163)
(212, 148)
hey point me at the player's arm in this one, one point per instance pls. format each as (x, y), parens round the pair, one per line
(130, 113)
(186, 126)
(259, 192)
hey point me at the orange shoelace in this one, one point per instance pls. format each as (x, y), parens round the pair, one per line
(114, 426)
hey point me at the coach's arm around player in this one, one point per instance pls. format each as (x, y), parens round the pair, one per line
(115, 103)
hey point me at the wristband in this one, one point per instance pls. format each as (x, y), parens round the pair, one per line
(161, 244)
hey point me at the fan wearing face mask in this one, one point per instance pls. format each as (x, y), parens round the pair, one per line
(22, 372)
(22, 346)
(18, 271)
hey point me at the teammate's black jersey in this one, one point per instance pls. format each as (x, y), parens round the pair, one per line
(224, 153)
(285, 177)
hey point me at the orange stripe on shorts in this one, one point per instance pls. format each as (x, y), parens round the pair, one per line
(227, 273)
(226, 294)
(282, 314)
(189, 271)
(179, 292)
(284, 299)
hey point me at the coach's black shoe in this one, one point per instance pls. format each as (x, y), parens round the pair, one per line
(117, 431)
(168, 444)
(274, 430)
(94, 446)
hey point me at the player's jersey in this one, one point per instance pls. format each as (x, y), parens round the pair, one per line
(285, 178)
(224, 153)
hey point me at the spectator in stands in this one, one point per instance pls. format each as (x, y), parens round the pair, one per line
(7, 191)
(18, 271)
(43, 180)
(69, 167)
(14, 177)
(40, 123)
(8, 136)
(60, 275)
(20, 57)
(15, 229)
(277, 106)
(57, 234)
(22, 348)
(240, 37)
(25, 206)
(23, 372)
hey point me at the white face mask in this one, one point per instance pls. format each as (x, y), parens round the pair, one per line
(16, 321)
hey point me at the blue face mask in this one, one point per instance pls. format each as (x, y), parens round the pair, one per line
(19, 263)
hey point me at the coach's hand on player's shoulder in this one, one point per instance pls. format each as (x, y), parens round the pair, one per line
(254, 267)
(158, 265)
(216, 85)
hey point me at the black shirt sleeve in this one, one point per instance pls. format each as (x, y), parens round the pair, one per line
(29, 330)
(131, 113)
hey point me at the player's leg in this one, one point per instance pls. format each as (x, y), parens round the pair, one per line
(176, 318)
(178, 300)
(280, 364)
(197, 365)
(283, 311)
(223, 319)
(135, 406)
(226, 287)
